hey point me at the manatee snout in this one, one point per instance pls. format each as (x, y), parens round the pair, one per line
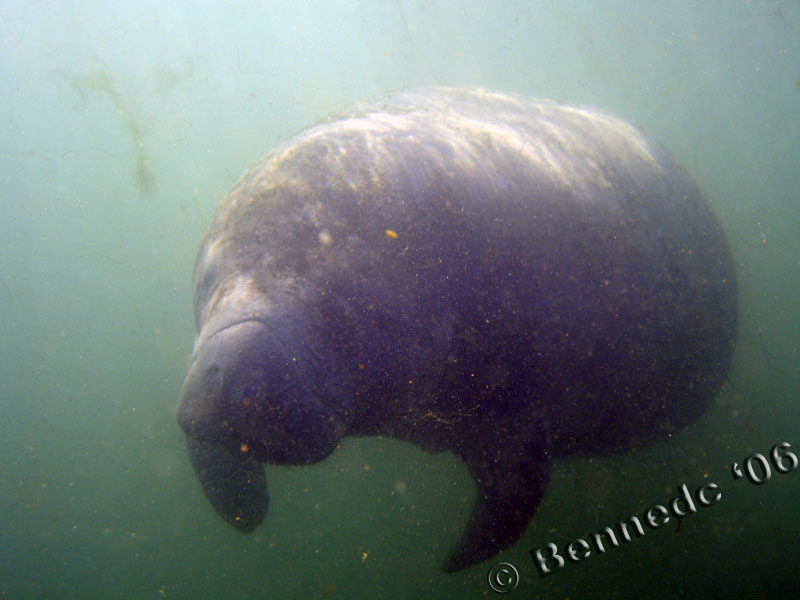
(244, 396)
(243, 403)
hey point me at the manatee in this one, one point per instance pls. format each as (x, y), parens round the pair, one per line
(508, 279)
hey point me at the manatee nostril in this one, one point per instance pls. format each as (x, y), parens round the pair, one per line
(212, 377)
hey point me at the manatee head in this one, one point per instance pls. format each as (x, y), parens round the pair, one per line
(244, 401)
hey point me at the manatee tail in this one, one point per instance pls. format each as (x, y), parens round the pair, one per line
(510, 483)
(236, 486)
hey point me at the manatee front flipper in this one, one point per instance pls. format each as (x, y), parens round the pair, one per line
(510, 481)
(236, 486)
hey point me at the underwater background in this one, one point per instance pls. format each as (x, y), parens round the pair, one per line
(122, 126)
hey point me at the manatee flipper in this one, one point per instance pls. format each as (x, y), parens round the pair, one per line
(236, 486)
(510, 483)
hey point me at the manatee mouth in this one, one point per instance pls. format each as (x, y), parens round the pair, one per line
(245, 401)
(235, 486)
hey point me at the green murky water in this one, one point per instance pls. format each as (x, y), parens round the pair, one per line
(122, 125)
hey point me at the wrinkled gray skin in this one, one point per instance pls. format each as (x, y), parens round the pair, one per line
(554, 284)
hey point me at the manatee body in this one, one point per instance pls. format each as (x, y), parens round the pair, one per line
(505, 278)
